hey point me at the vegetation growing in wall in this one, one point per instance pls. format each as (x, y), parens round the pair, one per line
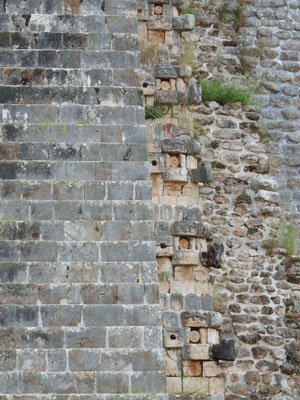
(226, 13)
(153, 112)
(189, 8)
(148, 52)
(187, 56)
(223, 93)
(287, 237)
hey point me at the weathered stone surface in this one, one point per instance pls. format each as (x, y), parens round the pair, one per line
(213, 256)
(223, 351)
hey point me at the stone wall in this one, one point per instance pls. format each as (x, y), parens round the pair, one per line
(230, 323)
(79, 314)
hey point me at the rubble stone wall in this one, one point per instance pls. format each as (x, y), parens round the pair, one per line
(229, 287)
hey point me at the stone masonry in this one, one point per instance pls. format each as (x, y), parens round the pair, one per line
(79, 314)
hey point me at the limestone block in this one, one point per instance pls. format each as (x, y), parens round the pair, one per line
(169, 97)
(174, 385)
(191, 368)
(269, 197)
(156, 164)
(159, 22)
(196, 385)
(175, 146)
(185, 257)
(173, 338)
(185, 22)
(164, 251)
(211, 369)
(217, 386)
(173, 362)
(156, 36)
(196, 352)
(165, 71)
(142, 10)
(186, 228)
(191, 162)
(194, 336)
(180, 84)
(175, 175)
(201, 319)
(213, 336)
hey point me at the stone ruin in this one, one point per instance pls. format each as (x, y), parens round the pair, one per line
(158, 257)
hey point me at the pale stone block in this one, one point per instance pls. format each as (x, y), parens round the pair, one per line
(183, 274)
(173, 84)
(149, 101)
(196, 352)
(175, 11)
(211, 369)
(176, 175)
(172, 363)
(164, 265)
(181, 86)
(216, 386)
(143, 32)
(185, 257)
(183, 287)
(169, 37)
(195, 385)
(191, 368)
(174, 385)
(192, 162)
(213, 336)
(203, 335)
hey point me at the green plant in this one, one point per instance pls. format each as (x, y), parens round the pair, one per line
(287, 237)
(153, 112)
(264, 134)
(80, 211)
(187, 57)
(223, 93)
(5, 221)
(148, 52)
(239, 15)
(223, 12)
(242, 56)
(189, 8)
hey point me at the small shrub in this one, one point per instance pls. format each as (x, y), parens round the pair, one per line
(223, 93)
(153, 112)
(287, 237)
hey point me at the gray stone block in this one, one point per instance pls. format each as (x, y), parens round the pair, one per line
(112, 382)
(185, 22)
(104, 315)
(165, 71)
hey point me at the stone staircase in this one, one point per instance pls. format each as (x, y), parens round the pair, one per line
(79, 314)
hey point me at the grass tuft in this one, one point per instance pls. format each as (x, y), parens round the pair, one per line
(153, 112)
(189, 8)
(224, 93)
(187, 56)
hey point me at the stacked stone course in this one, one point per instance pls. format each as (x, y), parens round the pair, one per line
(79, 313)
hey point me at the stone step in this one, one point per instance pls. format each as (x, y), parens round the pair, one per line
(80, 132)
(67, 41)
(83, 59)
(75, 77)
(68, 23)
(73, 152)
(71, 95)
